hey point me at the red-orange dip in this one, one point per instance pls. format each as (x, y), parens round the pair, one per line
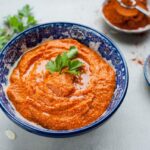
(126, 18)
(61, 101)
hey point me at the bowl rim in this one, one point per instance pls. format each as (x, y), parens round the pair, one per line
(133, 31)
(145, 70)
(67, 133)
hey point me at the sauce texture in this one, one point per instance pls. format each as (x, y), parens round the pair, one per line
(61, 101)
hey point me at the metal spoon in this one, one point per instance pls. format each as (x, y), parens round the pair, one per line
(145, 12)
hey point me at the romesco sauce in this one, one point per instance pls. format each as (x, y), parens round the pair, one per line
(61, 101)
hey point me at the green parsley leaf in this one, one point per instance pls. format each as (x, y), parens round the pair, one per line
(16, 23)
(25, 12)
(31, 21)
(2, 32)
(64, 61)
(3, 40)
(73, 51)
(51, 66)
(58, 62)
(75, 64)
(4, 37)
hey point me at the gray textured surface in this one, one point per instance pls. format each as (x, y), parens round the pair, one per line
(129, 128)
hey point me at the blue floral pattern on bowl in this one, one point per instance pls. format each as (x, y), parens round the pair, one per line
(59, 30)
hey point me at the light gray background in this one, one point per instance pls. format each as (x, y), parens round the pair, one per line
(129, 128)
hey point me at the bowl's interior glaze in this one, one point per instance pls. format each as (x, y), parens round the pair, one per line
(34, 36)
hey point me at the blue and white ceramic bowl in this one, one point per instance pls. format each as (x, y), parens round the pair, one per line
(59, 30)
(147, 70)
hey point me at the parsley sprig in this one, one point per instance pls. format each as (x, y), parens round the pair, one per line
(65, 60)
(16, 23)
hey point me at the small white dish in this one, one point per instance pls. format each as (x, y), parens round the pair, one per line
(135, 31)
